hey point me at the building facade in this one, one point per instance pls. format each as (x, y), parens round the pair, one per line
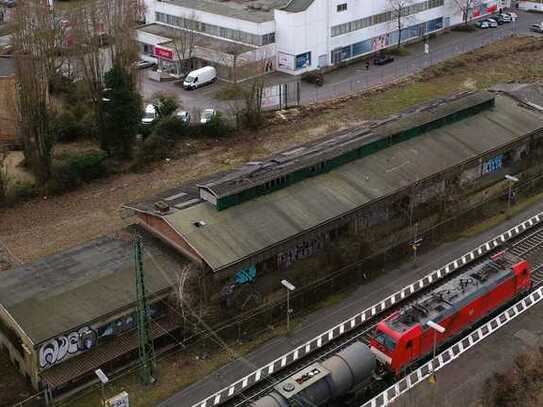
(66, 315)
(304, 35)
(266, 215)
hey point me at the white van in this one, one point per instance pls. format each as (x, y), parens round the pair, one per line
(200, 77)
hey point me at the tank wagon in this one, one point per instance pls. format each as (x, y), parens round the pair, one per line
(321, 382)
(404, 339)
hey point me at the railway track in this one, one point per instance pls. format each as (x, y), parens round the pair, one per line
(528, 245)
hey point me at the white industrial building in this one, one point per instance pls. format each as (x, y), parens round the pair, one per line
(295, 36)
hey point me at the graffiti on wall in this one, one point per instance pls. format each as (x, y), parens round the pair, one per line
(492, 165)
(300, 251)
(61, 347)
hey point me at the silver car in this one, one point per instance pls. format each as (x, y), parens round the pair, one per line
(184, 116)
(207, 115)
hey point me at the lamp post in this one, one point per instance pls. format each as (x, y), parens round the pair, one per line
(437, 328)
(103, 380)
(511, 181)
(289, 288)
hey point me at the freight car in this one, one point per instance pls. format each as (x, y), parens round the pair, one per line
(404, 338)
(321, 382)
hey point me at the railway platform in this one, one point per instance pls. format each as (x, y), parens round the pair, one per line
(365, 296)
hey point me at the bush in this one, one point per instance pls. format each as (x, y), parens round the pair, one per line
(399, 52)
(160, 143)
(165, 104)
(71, 172)
(216, 127)
(314, 77)
(466, 28)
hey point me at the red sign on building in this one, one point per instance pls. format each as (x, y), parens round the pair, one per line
(163, 53)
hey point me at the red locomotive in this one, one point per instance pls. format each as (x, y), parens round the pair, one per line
(404, 337)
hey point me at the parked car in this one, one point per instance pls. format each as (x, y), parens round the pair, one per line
(483, 24)
(149, 114)
(503, 18)
(207, 115)
(184, 117)
(538, 28)
(10, 3)
(143, 64)
(383, 59)
(200, 77)
(512, 14)
(105, 95)
(492, 22)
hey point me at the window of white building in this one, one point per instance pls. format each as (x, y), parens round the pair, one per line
(341, 7)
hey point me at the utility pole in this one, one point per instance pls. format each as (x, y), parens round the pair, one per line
(146, 349)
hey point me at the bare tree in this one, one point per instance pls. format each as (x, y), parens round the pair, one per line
(232, 53)
(34, 39)
(184, 41)
(90, 57)
(103, 35)
(400, 16)
(465, 7)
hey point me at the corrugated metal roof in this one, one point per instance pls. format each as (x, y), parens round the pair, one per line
(82, 364)
(254, 226)
(286, 162)
(74, 287)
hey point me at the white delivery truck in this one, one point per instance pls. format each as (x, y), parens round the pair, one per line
(200, 77)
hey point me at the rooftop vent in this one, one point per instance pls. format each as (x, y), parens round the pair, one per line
(199, 223)
(265, 8)
(257, 6)
(162, 206)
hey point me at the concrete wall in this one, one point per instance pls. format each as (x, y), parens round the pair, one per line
(298, 33)
(23, 358)
(158, 227)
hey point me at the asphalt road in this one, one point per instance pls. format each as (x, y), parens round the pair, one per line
(355, 77)
(387, 283)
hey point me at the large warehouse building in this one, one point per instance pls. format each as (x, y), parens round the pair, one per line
(68, 314)
(262, 218)
(292, 36)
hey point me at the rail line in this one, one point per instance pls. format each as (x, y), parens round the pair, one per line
(262, 380)
(463, 345)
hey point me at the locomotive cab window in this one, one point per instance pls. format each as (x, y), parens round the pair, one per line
(385, 340)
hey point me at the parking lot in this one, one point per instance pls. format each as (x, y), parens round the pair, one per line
(355, 77)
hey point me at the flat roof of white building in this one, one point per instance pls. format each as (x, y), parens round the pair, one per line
(257, 11)
(202, 41)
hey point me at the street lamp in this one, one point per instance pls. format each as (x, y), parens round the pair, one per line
(289, 288)
(511, 180)
(103, 380)
(437, 328)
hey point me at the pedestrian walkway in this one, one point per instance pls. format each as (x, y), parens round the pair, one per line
(364, 296)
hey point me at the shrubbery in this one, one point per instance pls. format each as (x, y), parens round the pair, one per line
(314, 77)
(162, 140)
(216, 127)
(72, 171)
(467, 28)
